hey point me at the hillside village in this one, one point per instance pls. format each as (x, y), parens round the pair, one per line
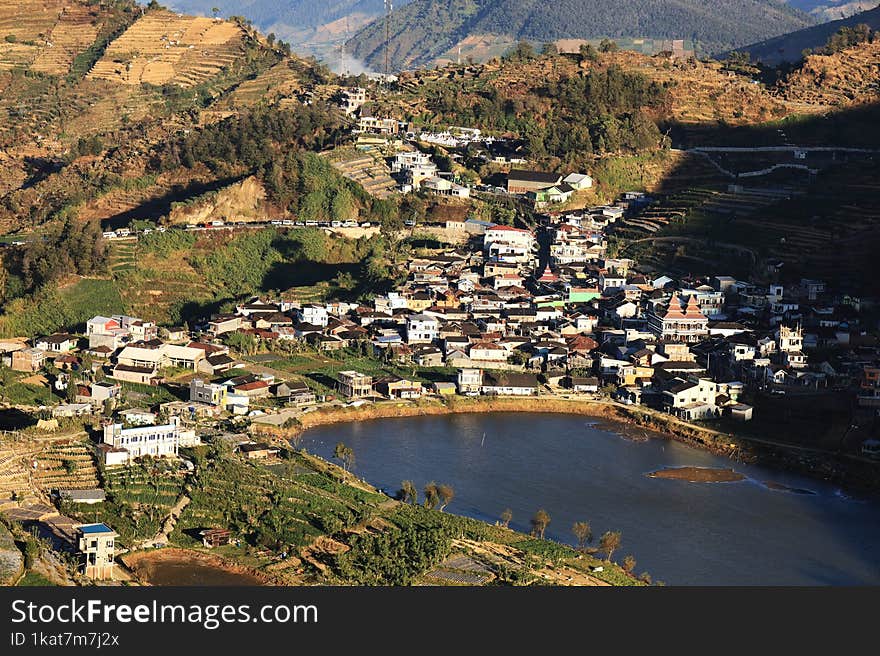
(501, 314)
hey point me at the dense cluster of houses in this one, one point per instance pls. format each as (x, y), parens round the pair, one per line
(501, 324)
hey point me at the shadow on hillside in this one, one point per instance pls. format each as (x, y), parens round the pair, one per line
(40, 168)
(816, 212)
(285, 275)
(161, 205)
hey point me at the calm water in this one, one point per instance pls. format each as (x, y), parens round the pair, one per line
(682, 533)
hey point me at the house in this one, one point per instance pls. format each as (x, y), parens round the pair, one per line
(355, 385)
(82, 496)
(313, 314)
(509, 384)
(578, 384)
(96, 544)
(29, 360)
(96, 393)
(215, 537)
(470, 381)
(676, 325)
(443, 388)
(691, 399)
(224, 323)
(156, 441)
(215, 364)
(444, 187)
(488, 351)
(740, 412)
(57, 343)
(578, 181)
(427, 356)
(421, 329)
(399, 388)
(521, 181)
(295, 392)
(134, 374)
(255, 389)
(255, 450)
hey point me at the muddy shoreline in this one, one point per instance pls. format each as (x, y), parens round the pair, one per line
(142, 565)
(634, 422)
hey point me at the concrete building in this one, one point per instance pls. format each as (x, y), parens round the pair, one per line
(355, 385)
(470, 381)
(97, 545)
(127, 444)
(422, 329)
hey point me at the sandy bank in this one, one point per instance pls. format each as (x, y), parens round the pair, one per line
(699, 474)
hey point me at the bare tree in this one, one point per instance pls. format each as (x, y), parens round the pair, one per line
(506, 516)
(629, 564)
(583, 532)
(446, 493)
(431, 495)
(540, 520)
(609, 543)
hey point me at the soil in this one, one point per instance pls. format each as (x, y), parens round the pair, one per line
(171, 566)
(699, 474)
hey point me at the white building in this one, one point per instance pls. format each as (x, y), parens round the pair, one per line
(125, 444)
(422, 328)
(314, 314)
(508, 244)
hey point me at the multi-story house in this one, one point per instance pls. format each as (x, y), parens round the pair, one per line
(677, 325)
(355, 385)
(422, 329)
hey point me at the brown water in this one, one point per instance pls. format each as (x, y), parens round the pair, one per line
(185, 570)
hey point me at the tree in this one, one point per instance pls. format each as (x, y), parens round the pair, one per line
(609, 543)
(446, 493)
(549, 49)
(345, 454)
(540, 521)
(343, 207)
(408, 492)
(70, 391)
(583, 533)
(629, 564)
(588, 53)
(607, 45)
(506, 516)
(431, 495)
(69, 465)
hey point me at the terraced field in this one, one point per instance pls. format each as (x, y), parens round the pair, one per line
(139, 498)
(367, 167)
(293, 509)
(163, 47)
(43, 33)
(68, 465)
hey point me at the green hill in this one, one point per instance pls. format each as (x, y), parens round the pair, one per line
(422, 30)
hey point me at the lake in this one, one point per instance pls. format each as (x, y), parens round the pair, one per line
(772, 528)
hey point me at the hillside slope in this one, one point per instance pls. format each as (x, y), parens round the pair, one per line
(422, 30)
(848, 77)
(788, 47)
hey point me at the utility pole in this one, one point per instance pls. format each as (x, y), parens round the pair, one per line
(388, 9)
